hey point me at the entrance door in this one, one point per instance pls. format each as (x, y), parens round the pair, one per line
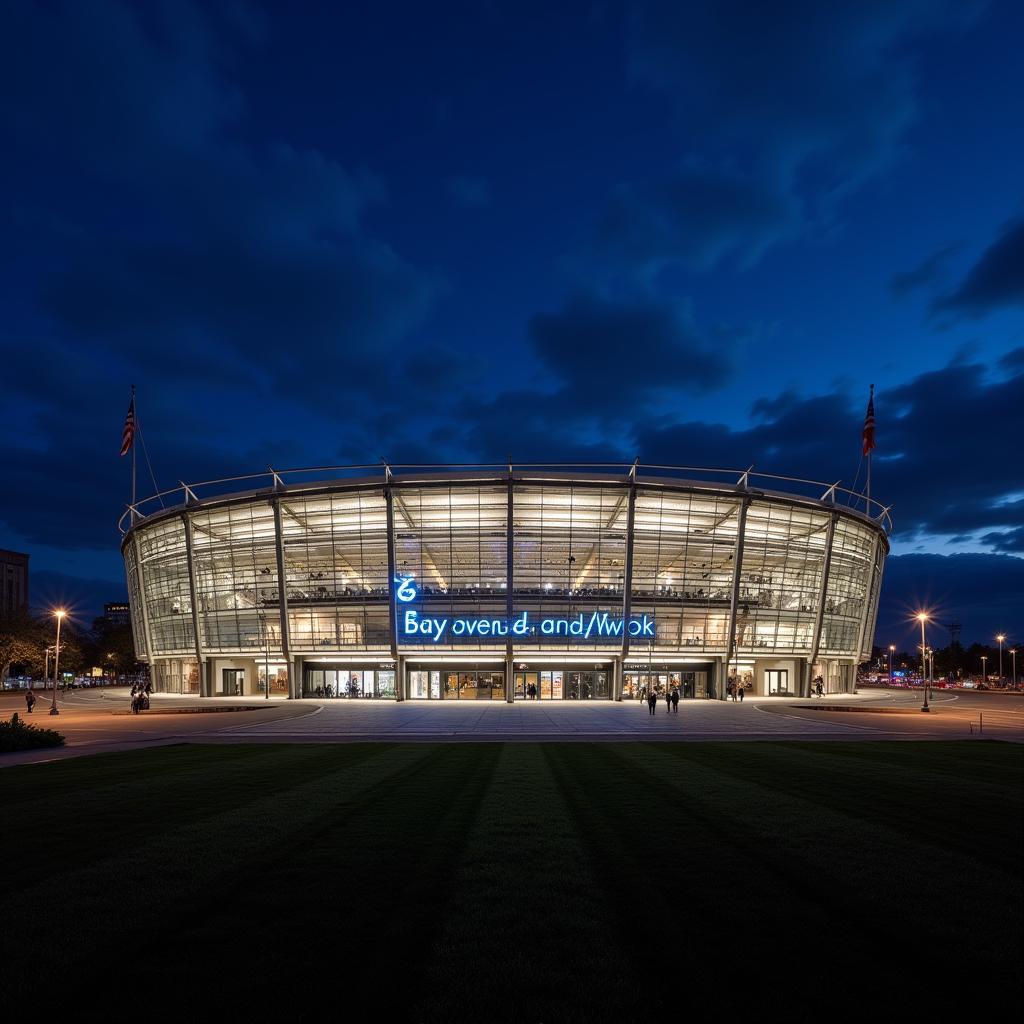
(528, 685)
(777, 682)
(232, 682)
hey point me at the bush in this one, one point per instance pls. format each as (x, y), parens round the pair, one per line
(16, 735)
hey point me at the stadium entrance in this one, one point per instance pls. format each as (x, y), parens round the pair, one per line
(456, 683)
(692, 681)
(562, 684)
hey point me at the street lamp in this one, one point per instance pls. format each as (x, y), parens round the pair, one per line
(1001, 637)
(59, 613)
(922, 617)
(984, 668)
(1013, 656)
(892, 650)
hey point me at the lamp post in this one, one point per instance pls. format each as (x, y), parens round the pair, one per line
(892, 650)
(266, 655)
(59, 613)
(984, 669)
(1013, 657)
(922, 617)
(1001, 637)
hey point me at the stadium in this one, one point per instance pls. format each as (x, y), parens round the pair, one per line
(514, 582)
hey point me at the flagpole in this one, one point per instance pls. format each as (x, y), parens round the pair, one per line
(867, 508)
(135, 414)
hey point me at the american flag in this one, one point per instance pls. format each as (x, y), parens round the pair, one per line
(128, 434)
(868, 435)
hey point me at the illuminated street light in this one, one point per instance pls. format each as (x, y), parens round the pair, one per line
(892, 649)
(1001, 637)
(984, 668)
(59, 613)
(1013, 655)
(922, 617)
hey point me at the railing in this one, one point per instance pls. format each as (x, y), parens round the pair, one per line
(283, 480)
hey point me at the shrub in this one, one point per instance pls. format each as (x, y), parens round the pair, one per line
(16, 735)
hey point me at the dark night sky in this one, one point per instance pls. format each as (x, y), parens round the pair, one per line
(693, 232)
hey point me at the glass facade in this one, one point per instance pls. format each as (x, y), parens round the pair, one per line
(575, 550)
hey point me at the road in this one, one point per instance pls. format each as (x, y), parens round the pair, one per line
(96, 721)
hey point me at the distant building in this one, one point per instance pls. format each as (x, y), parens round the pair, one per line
(13, 581)
(117, 613)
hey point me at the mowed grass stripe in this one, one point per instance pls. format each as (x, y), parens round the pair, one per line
(131, 893)
(64, 818)
(690, 895)
(363, 886)
(925, 794)
(855, 865)
(524, 881)
(527, 909)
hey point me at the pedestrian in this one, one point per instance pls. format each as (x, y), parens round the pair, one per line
(818, 688)
(668, 702)
(675, 700)
(652, 702)
(30, 700)
(741, 694)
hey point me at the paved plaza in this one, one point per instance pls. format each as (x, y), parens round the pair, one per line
(99, 720)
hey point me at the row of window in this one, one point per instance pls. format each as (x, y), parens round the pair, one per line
(568, 551)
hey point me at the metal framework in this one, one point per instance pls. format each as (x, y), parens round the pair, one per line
(687, 546)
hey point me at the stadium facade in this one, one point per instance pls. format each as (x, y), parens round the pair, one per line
(504, 583)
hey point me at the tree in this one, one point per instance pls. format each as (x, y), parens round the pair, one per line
(21, 642)
(110, 647)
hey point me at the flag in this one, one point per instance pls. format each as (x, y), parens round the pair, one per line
(868, 435)
(128, 434)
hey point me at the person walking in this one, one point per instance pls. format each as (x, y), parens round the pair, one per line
(30, 700)
(741, 694)
(652, 702)
(818, 688)
(675, 700)
(668, 702)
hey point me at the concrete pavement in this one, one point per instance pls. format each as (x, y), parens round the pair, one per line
(97, 721)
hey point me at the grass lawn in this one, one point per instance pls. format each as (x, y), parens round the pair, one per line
(533, 882)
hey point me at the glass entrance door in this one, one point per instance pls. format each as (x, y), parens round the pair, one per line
(586, 685)
(232, 682)
(528, 685)
(777, 682)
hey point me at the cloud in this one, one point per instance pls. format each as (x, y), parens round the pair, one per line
(927, 273)
(646, 346)
(695, 217)
(192, 245)
(806, 101)
(984, 593)
(995, 281)
(468, 192)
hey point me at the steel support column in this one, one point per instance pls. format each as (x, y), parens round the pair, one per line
(510, 575)
(294, 683)
(870, 604)
(734, 596)
(627, 574)
(205, 687)
(144, 610)
(819, 617)
(389, 505)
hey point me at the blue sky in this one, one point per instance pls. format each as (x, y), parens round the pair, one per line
(695, 232)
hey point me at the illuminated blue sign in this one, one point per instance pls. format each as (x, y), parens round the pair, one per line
(420, 628)
(595, 626)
